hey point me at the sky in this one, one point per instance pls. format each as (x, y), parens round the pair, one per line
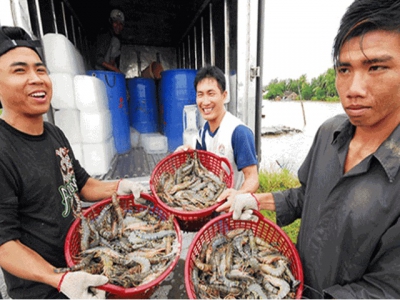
(299, 35)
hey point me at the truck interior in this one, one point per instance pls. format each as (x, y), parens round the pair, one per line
(177, 34)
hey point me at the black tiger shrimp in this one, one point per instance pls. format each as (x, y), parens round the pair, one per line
(128, 246)
(235, 265)
(191, 186)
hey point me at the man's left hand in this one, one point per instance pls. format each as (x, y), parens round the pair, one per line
(243, 206)
(126, 187)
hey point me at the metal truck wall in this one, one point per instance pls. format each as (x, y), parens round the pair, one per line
(15, 13)
(225, 34)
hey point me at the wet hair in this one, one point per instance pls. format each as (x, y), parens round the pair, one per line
(13, 37)
(211, 72)
(364, 16)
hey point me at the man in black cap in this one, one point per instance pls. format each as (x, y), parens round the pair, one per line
(40, 181)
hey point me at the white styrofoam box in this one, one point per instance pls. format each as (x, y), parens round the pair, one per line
(189, 137)
(154, 143)
(96, 127)
(78, 152)
(98, 157)
(135, 137)
(61, 56)
(69, 122)
(81, 67)
(63, 91)
(90, 93)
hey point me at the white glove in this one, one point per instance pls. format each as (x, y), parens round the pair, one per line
(243, 205)
(78, 285)
(126, 187)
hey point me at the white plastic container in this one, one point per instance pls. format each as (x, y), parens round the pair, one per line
(189, 137)
(96, 127)
(63, 91)
(190, 117)
(68, 120)
(154, 143)
(98, 157)
(90, 93)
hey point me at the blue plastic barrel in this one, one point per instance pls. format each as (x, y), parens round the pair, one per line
(176, 91)
(118, 105)
(143, 114)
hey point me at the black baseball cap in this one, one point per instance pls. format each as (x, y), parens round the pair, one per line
(13, 37)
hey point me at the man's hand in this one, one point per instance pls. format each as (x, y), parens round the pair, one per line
(79, 285)
(126, 187)
(183, 148)
(229, 195)
(243, 205)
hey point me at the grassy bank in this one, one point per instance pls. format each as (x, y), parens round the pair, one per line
(278, 181)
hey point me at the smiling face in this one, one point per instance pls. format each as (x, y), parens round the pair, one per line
(117, 27)
(210, 101)
(368, 79)
(25, 87)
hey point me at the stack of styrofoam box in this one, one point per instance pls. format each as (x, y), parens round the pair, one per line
(154, 143)
(89, 125)
(96, 125)
(64, 62)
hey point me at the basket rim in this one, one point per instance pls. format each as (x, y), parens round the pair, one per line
(227, 216)
(196, 213)
(112, 288)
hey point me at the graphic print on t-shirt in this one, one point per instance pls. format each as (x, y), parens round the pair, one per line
(70, 186)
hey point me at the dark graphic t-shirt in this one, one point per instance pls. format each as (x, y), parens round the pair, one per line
(38, 178)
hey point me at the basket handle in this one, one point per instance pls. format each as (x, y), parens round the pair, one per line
(108, 83)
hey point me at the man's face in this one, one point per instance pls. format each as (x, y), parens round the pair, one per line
(210, 99)
(368, 79)
(25, 87)
(117, 27)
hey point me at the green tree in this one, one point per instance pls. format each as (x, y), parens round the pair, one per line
(275, 88)
(301, 86)
(330, 78)
(320, 88)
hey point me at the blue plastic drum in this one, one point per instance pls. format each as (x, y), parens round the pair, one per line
(118, 105)
(176, 91)
(143, 115)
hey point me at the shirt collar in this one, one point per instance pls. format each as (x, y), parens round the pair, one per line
(388, 153)
(343, 132)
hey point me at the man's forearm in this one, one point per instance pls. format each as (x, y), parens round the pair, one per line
(266, 201)
(25, 263)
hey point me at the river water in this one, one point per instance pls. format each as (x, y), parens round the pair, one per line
(289, 150)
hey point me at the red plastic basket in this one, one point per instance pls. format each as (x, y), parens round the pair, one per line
(72, 246)
(263, 228)
(191, 220)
